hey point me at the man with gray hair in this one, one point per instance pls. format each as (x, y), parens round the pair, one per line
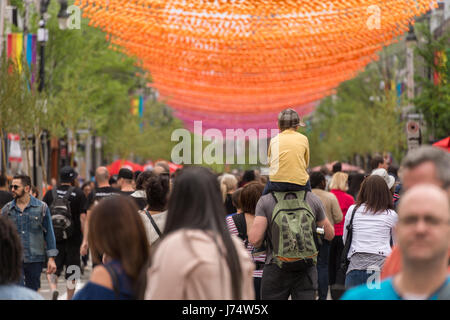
(427, 164)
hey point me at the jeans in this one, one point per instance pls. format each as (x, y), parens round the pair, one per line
(278, 284)
(285, 186)
(31, 275)
(357, 277)
(322, 269)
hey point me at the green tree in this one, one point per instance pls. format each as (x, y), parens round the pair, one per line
(434, 99)
(361, 119)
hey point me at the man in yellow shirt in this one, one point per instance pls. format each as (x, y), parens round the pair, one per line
(288, 156)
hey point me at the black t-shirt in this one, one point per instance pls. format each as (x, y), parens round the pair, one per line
(101, 193)
(126, 193)
(5, 197)
(78, 205)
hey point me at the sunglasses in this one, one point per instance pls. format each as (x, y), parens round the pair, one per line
(15, 187)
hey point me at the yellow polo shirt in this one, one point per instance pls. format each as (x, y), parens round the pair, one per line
(289, 157)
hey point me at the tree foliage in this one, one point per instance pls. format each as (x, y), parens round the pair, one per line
(434, 99)
(363, 118)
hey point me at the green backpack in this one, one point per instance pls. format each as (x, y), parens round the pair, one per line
(293, 232)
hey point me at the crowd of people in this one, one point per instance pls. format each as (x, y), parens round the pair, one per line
(195, 234)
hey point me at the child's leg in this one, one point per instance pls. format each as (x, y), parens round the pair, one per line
(285, 186)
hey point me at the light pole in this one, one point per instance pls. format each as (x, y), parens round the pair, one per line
(411, 41)
(42, 39)
(413, 131)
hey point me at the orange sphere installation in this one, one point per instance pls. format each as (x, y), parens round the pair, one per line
(237, 63)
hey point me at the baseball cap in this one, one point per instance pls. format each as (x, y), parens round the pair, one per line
(67, 174)
(125, 174)
(289, 118)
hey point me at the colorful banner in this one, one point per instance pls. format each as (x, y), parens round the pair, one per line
(19, 45)
(137, 106)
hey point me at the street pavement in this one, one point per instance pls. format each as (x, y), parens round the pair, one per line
(62, 289)
(46, 292)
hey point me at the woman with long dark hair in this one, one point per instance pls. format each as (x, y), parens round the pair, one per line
(197, 257)
(373, 223)
(116, 231)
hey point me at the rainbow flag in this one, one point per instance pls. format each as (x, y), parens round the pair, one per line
(18, 45)
(137, 106)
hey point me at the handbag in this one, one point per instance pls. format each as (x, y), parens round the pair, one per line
(338, 288)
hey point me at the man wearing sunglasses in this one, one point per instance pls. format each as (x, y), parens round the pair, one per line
(34, 224)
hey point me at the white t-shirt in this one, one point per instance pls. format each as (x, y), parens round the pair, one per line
(160, 220)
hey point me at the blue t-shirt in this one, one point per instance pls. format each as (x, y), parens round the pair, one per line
(385, 292)
(15, 292)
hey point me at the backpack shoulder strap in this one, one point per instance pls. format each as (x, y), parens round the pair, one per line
(9, 205)
(115, 281)
(277, 196)
(155, 226)
(241, 225)
(301, 195)
(54, 195)
(44, 212)
(68, 193)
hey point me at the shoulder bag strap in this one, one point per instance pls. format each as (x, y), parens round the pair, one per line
(155, 226)
(348, 240)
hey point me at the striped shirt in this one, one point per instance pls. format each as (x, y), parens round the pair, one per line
(261, 258)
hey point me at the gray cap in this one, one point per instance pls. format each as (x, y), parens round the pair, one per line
(289, 118)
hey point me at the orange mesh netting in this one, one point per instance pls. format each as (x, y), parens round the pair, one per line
(226, 60)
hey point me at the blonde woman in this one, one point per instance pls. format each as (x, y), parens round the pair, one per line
(338, 187)
(228, 184)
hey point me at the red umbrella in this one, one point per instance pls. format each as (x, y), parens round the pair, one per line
(443, 144)
(173, 167)
(115, 167)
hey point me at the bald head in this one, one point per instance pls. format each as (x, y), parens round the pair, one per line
(423, 229)
(102, 175)
(426, 195)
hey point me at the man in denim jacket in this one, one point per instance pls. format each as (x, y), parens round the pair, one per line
(34, 224)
